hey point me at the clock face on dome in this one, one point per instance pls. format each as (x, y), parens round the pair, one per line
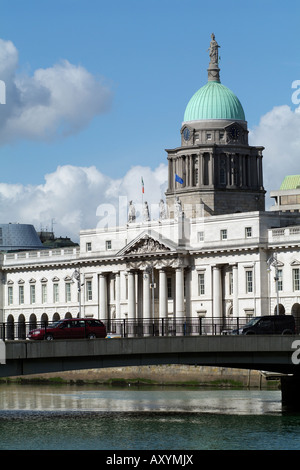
(186, 133)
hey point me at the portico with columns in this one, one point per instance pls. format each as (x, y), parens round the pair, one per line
(149, 285)
(154, 279)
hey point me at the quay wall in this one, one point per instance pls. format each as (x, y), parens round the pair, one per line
(183, 375)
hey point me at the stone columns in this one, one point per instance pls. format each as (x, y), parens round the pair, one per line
(146, 295)
(179, 283)
(200, 170)
(211, 169)
(163, 294)
(217, 292)
(103, 297)
(235, 290)
(131, 295)
(118, 284)
(188, 306)
(191, 170)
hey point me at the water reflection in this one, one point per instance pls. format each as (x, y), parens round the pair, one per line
(85, 398)
(88, 417)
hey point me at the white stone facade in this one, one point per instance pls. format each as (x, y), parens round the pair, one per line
(205, 267)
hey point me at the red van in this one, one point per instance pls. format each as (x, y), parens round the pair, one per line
(70, 328)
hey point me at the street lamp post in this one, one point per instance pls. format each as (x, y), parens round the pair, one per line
(77, 276)
(149, 270)
(272, 261)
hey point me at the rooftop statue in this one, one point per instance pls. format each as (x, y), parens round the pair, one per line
(213, 51)
(146, 213)
(213, 68)
(131, 212)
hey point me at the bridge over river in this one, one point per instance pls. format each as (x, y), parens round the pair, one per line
(274, 353)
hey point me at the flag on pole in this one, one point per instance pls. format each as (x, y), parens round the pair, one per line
(178, 179)
(143, 188)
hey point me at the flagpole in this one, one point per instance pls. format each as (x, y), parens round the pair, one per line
(174, 190)
(179, 180)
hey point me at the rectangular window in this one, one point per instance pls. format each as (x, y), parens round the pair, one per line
(68, 291)
(55, 293)
(296, 279)
(21, 294)
(200, 236)
(248, 232)
(32, 294)
(249, 281)
(201, 285)
(224, 234)
(10, 295)
(89, 293)
(108, 244)
(44, 293)
(222, 176)
(89, 246)
(169, 287)
(280, 285)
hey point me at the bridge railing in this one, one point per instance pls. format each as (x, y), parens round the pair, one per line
(174, 327)
(140, 327)
(143, 327)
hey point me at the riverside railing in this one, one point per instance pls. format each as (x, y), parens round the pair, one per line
(140, 327)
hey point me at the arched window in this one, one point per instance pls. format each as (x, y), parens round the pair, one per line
(21, 327)
(32, 322)
(44, 319)
(10, 327)
(281, 309)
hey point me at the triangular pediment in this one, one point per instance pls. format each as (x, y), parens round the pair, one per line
(233, 124)
(295, 262)
(147, 243)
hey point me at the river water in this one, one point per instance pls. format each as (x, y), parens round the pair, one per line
(69, 417)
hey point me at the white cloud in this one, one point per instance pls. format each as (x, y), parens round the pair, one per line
(53, 102)
(82, 197)
(279, 132)
(78, 198)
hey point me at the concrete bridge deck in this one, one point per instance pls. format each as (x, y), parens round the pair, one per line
(270, 353)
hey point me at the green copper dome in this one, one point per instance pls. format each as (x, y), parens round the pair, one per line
(214, 101)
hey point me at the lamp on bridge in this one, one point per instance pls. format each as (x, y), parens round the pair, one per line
(77, 276)
(272, 261)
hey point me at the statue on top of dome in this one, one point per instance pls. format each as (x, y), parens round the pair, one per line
(213, 50)
(213, 68)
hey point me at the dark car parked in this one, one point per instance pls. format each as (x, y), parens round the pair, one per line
(269, 324)
(70, 328)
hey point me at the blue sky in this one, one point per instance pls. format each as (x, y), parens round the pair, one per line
(149, 57)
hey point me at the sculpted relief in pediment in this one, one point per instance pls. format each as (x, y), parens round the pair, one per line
(147, 245)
